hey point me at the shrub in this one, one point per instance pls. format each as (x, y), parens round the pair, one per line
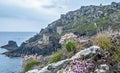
(102, 40)
(69, 42)
(115, 39)
(70, 46)
(116, 55)
(116, 46)
(30, 64)
(57, 56)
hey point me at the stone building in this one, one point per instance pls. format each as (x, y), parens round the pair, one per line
(45, 39)
(59, 29)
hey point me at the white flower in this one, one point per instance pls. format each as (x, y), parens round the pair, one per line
(67, 37)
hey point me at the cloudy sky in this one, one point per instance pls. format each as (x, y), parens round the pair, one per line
(32, 15)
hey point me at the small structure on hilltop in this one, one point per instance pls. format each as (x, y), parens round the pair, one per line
(100, 4)
(59, 29)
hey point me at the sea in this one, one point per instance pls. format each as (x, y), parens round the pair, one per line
(12, 64)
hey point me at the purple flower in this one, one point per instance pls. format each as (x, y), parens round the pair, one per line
(79, 66)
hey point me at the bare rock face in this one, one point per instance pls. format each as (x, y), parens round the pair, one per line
(34, 48)
(11, 45)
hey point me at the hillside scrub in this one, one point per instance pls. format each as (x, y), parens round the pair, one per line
(109, 42)
(109, 55)
(57, 56)
(115, 39)
(102, 40)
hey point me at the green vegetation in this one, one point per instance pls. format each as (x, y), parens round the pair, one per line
(57, 56)
(30, 64)
(70, 46)
(116, 55)
(103, 41)
(108, 43)
(57, 35)
(116, 47)
(83, 25)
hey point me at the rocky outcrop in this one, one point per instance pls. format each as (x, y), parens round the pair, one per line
(54, 67)
(103, 69)
(102, 62)
(12, 45)
(34, 48)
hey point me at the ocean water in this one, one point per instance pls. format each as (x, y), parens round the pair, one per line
(8, 64)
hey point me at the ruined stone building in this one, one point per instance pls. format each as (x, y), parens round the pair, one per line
(45, 39)
(59, 29)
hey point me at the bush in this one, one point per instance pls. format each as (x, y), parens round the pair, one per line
(116, 55)
(103, 41)
(115, 39)
(57, 56)
(70, 46)
(69, 42)
(30, 64)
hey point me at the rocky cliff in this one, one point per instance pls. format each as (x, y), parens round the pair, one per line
(12, 45)
(84, 21)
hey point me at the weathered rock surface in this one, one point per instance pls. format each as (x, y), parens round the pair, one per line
(103, 69)
(34, 48)
(54, 67)
(12, 45)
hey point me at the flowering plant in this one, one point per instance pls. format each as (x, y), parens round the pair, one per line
(67, 37)
(79, 67)
(68, 41)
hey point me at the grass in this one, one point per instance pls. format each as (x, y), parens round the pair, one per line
(116, 46)
(108, 43)
(30, 64)
(103, 41)
(57, 56)
(116, 55)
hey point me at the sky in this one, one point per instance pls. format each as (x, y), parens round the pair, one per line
(32, 15)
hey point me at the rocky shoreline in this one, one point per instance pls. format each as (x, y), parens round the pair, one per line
(32, 49)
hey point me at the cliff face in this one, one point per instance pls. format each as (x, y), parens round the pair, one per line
(84, 21)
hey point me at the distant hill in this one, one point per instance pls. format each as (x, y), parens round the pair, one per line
(84, 21)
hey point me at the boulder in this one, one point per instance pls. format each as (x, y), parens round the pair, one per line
(104, 68)
(54, 67)
(10, 46)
